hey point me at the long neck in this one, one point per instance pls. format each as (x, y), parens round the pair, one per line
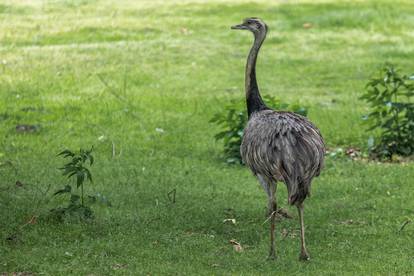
(253, 99)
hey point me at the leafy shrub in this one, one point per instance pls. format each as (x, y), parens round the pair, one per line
(76, 168)
(234, 118)
(390, 97)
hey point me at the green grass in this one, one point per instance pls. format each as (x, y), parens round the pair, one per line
(172, 65)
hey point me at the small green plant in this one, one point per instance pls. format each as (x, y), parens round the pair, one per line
(390, 97)
(76, 168)
(234, 119)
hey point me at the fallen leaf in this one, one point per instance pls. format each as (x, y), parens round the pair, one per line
(284, 233)
(32, 220)
(185, 31)
(119, 266)
(353, 152)
(307, 25)
(189, 233)
(236, 245)
(26, 128)
(351, 221)
(289, 234)
(233, 221)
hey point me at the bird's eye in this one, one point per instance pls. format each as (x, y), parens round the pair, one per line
(249, 22)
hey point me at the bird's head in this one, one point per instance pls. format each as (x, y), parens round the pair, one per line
(253, 24)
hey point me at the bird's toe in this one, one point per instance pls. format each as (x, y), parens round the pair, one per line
(271, 257)
(304, 256)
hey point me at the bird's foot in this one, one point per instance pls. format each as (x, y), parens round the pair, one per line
(304, 256)
(271, 257)
(284, 213)
(280, 213)
(270, 213)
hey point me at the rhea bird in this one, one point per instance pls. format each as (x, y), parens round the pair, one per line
(278, 146)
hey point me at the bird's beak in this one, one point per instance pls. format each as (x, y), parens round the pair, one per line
(239, 27)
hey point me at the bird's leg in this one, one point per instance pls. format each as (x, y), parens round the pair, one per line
(304, 256)
(268, 189)
(273, 209)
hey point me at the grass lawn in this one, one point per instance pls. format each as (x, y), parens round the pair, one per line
(140, 80)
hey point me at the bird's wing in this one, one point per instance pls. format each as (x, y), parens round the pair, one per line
(283, 146)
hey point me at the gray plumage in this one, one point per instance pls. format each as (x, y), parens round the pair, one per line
(283, 146)
(278, 145)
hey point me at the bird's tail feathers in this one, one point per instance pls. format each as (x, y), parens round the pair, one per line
(298, 192)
